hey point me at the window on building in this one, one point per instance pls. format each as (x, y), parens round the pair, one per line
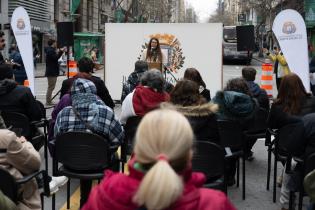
(0, 6)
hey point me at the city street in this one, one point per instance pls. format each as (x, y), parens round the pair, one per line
(257, 197)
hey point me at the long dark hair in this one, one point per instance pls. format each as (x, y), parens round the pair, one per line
(158, 48)
(194, 75)
(186, 93)
(291, 94)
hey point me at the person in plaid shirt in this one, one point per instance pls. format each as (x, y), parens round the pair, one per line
(89, 113)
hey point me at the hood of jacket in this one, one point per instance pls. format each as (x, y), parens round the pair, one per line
(193, 111)
(234, 104)
(6, 86)
(85, 100)
(146, 99)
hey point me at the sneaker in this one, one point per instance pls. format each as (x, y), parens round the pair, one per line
(56, 182)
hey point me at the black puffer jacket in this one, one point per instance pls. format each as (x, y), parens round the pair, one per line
(52, 66)
(17, 98)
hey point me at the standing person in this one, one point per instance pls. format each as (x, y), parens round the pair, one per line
(2, 45)
(281, 67)
(153, 55)
(36, 55)
(19, 69)
(52, 68)
(194, 75)
(160, 174)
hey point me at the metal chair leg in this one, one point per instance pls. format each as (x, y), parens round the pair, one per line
(243, 173)
(301, 194)
(274, 197)
(269, 167)
(68, 194)
(42, 200)
(53, 202)
(238, 173)
(291, 199)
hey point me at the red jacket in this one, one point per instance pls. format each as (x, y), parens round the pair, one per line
(117, 190)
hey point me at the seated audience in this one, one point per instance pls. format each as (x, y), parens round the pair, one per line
(194, 75)
(200, 114)
(292, 103)
(249, 74)
(292, 99)
(160, 175)
(90, 114)
(21, 159)
(85, 66)
(134, 78)
(16, 98)
(145, 97)
(236, 103)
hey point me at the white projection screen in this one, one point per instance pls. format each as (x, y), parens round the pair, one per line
(185, 45)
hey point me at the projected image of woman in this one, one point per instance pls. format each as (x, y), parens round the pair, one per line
(154, 56)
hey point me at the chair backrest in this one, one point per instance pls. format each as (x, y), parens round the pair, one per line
(231, 134)
(42, 108)
(17, 121)
(8, 185)
(131, 126)
(82, 151)
(260, 121)
(209, 159)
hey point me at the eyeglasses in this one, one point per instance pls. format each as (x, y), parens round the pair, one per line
(154, 42)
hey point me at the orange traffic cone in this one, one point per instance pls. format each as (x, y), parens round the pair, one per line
(267, 78)
(72, 68)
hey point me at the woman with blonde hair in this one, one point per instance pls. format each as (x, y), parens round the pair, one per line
(160, 174)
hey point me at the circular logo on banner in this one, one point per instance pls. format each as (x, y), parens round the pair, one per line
(171, 47)
(289, 28)
(20, 24)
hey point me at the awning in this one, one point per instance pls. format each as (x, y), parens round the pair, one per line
(87, 34)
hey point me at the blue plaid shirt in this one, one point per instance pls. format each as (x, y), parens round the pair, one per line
(93, 111)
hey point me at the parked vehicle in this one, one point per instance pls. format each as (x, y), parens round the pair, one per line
(230, 46)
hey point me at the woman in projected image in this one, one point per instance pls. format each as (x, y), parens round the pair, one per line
(154, 56)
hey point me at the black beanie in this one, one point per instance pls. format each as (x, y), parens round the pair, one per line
(6, 71)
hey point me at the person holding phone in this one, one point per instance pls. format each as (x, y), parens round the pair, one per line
(281, 67)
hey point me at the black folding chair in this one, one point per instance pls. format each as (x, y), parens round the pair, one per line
(82, 155)
(22, 126)
(308, 165)
(209, 158)
(232, 138)
(130, 129)
(10, 186)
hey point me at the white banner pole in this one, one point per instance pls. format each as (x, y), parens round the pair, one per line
(290, 30)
